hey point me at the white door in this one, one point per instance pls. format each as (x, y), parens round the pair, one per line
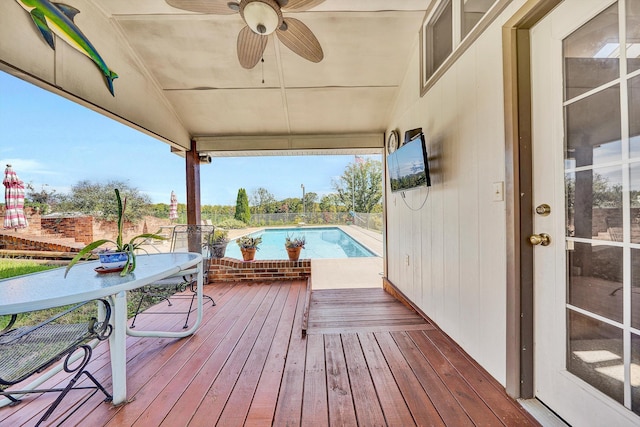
(586, 190)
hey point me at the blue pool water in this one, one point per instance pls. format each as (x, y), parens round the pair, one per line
(324, 242)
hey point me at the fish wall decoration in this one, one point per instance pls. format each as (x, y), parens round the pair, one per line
(57, 18)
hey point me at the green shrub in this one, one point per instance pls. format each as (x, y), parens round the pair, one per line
(243, 213)
(231, 224)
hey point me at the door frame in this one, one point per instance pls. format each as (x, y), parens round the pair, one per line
(518, 195)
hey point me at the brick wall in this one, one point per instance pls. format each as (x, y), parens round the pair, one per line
(78, 228)
(17, 243)
(109, 229)
(234, 270)
(43, 232)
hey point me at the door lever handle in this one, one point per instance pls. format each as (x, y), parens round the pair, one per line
(540, 239)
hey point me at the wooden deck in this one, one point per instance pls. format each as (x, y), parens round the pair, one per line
(366, 360)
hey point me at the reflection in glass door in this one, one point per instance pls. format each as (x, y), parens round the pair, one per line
(602, 188)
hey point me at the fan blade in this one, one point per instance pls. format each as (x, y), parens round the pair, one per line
(301, 4)
(216, 7)
(299, 38)
(250, 47)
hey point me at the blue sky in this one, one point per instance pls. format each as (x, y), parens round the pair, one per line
(54, 142)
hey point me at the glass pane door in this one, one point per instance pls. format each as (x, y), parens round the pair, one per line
(602, 190)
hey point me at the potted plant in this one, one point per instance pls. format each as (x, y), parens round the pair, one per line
(217, 243)
(122, 256)
(248, 246)
(294, 245)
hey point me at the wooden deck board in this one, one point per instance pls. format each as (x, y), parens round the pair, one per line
(365, 399)
(356, 329)
(216, 398)
(487, 389)
(367, 360)
(461, 391)
(443, 398)
(262, 409)
(392, 402)
(342, 412)
(288, 409)
(165, 386)
(240, 398)
(188, 390)
(418, 402)
(315, 408)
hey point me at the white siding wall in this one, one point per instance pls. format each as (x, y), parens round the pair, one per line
(456, 242)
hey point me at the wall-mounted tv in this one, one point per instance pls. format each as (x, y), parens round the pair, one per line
(409, 166)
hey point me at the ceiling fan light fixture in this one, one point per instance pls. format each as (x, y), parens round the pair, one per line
(262, 16)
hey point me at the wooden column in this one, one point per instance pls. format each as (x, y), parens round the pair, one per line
(193, 185)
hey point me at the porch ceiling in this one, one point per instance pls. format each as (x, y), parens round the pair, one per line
(193, 60)
(190, 59)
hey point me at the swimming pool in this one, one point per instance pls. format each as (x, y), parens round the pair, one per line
(321, 242)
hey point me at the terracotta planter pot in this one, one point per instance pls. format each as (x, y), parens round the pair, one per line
(294, 253)
(248, 254)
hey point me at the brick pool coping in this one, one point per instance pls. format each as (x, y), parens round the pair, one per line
(235, 270)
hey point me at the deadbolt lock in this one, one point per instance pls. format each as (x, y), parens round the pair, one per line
(543, 210)
(540, 239)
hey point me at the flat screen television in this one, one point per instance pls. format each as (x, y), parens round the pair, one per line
(409, 166)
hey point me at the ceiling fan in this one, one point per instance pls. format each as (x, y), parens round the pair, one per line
(263, 17)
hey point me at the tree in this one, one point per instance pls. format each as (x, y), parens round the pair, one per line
(329, 203)
(99, 200)
(291, 204)
(310, 201)
(604, 194)
(43, 199)
(360, 184)
(263, 201)
(160, 210)
(242, 207)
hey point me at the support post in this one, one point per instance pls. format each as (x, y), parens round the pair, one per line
(193, 185)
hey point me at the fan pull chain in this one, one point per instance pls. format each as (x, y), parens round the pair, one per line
(262, 60)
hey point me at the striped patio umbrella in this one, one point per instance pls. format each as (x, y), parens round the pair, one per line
(13, 200)
(173, 207)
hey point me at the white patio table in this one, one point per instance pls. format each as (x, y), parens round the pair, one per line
(50, 288)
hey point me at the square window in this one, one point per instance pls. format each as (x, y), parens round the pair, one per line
(438, 37)
(472, 13)
(448, 29)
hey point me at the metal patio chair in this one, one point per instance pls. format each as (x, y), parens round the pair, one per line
(28, 350)
(184, 238)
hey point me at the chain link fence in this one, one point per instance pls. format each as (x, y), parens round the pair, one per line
(370, 221)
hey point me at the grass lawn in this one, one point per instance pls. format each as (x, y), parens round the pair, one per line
(17, 267)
